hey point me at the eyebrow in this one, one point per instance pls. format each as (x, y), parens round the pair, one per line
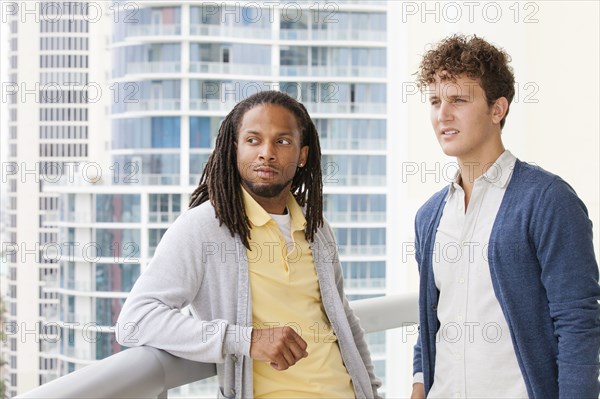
(280, 134)
(449, 97)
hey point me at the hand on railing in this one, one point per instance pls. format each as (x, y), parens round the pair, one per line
(281, 346)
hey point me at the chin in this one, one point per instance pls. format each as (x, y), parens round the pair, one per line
(451, 152)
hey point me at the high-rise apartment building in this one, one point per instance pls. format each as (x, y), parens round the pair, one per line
(177, 68)
(56, 58)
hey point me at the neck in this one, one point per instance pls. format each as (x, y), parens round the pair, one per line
(474, 166)
(275, 205)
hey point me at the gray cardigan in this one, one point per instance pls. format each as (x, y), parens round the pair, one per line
(199, 263)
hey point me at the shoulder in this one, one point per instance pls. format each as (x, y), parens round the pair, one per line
(326, 231)
(541, 186)
(197, 220)
(529, 175)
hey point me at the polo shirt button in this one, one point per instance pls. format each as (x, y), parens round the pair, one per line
(232, 392)
(235, 358)
(434, 306)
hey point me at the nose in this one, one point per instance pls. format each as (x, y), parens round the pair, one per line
(444, 111)
(267, 152)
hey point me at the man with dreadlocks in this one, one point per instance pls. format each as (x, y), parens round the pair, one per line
(258, 266)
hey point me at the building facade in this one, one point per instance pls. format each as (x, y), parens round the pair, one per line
(55, 66)
(176, 72)
(176, 69)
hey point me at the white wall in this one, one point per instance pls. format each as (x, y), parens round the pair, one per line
(554, 121)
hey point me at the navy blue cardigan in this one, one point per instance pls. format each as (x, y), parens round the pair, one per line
(545, 276)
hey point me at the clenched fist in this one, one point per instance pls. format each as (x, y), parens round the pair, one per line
(281, 346)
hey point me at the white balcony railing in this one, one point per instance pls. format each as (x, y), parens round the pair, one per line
(347, 217)
(352, 144)
(336, 71)
(228, 68)
(230, 31)
(162, 217)
(335, 107)
(206, 104)
(146, 372)
(360, 250)
(364, 283)
(160, 104)
(152, 29)
(332, 178)
(333, 34)
(154, 67)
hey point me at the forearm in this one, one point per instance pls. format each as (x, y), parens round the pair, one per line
(147, 320)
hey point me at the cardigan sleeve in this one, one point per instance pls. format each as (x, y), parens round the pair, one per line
(152, 313)
(562, 234)
(417, 355)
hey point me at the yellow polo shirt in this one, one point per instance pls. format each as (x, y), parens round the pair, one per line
(285, 291)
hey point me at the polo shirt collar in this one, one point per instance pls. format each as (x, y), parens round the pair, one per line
(259, 217)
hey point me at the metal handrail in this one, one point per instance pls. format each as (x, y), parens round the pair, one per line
(146, 372)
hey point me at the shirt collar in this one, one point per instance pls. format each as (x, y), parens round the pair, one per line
(454, 185)
(259, 217)
(498, 173)
(296, 213)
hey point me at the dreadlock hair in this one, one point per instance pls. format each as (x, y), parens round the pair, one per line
(221, 181)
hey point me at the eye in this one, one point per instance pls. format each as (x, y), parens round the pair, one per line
(285, 141)
(435, 102)
(460, 100)
(252, 140)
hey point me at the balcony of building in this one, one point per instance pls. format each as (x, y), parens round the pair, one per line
(145, 372)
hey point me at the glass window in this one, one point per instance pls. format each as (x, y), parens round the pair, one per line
(71, 275)
(150, 163)
(197, 164)
(118, 243)
(116, 277)
(106, 345)
(158, 15)
(203, 131)
(166, 132)
(154, 132)
(154, 236)
(131, 58)
(360, 236)
(107, 310)
(164, 207)
(235, 53)
(293, 55)
(293, 18)
(117, 208)
(347, 167)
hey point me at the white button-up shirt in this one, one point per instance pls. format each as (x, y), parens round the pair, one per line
(474, 352)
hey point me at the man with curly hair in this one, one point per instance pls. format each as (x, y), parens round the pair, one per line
(509, 287)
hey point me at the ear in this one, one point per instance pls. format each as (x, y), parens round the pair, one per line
(303, 156)
(499, 110)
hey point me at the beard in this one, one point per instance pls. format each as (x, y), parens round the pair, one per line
(266, 190)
